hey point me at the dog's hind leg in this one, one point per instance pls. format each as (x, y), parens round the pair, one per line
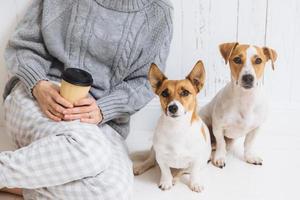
(139, 168)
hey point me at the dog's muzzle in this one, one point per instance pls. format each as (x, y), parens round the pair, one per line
(173, 110)
(247, 81)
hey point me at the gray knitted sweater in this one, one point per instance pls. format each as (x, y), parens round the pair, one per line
(114, 40)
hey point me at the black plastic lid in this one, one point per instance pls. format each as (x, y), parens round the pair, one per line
(77, 77)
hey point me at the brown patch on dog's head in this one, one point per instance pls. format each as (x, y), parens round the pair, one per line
(180, 90)
(183, 91)
(259, 62)
(270, 55)
(236, 55)
(156, 77)
(226, 50)
(197, 76)
(237, 59)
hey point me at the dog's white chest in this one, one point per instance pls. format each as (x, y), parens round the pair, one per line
(176, 153)
(179, 146)
(238, 125)
(236, 112)
(239, 122)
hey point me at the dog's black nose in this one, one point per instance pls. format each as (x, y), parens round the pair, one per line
(173, 108)
(248, 79)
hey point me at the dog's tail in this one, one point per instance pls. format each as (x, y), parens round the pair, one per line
(139, 155)
(178, 173)
(148, 161)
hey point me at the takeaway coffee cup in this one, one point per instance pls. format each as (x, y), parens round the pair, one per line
(75, 84)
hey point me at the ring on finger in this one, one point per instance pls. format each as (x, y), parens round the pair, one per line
(90, 115)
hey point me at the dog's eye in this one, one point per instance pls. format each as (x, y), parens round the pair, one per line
(237, 60)
(165, 93)
(258, 61)
(184, 93)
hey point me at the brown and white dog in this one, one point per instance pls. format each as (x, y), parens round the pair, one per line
(240, 108)
(181, 140)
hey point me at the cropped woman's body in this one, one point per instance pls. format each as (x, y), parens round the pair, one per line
(67, 151)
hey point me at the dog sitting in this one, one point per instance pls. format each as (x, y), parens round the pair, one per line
(239, 109)
(181, 140)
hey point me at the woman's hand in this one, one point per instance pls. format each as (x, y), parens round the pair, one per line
(50, 101)
(86, 110)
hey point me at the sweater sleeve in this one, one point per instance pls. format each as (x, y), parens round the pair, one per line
(134, 92)
(26, 55)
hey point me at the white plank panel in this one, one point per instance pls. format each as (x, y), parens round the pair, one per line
(174, 61)
(200, 26)
(222, 27)
(252, 21)
(195, 34)
(282, 36)
(295, 71)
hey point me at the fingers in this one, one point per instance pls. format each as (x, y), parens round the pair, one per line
(88, 120)
(59, 99)
(54, 111)
(82, 106)
(56, 108)
(78, 110)
(86, 110)
(50, 101)
(52, 116)
(85, 102)
(77, 116)
(93, 117)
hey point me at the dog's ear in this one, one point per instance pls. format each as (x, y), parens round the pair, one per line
(156, 77)
(270, 55)
(226, 50)
(197, 76)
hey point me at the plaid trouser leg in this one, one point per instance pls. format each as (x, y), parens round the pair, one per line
(61, 160)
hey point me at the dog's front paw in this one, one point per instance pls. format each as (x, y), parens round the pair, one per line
(165, 185)
(219, 158)
(219, 162)
(255, 160)
(196, 187)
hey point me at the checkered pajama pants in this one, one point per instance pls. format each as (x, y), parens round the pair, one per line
(62, 160)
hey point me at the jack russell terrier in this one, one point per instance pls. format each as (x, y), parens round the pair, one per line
(239, 109)
(181, 139)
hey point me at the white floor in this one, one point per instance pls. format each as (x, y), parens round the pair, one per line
(278, 178)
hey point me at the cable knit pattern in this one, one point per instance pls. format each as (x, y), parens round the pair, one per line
(115, 40)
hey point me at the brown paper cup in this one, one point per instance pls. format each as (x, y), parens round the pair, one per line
(75, 84)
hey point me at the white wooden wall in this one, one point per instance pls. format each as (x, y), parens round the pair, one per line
(200, 26)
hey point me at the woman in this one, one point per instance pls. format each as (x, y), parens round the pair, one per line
(77, 151)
